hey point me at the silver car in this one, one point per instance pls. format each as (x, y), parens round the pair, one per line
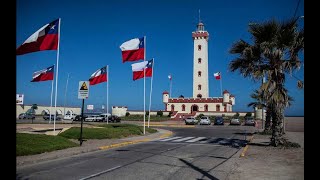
(205, 120)
(235, 121)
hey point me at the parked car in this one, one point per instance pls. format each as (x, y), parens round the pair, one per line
(26, 116)
(78, 117)
(249, 121)
(219, 120)
(105, 116)
(205, 120)
(92, 118)
(190, 120)
(69, 116)
(47, 117)
(235, 121)
(114, 118)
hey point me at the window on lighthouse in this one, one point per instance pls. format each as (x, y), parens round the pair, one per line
(199, 87)
(199, 60)
(199, 96)
(183, 107)
(199, 73)
(199, 47)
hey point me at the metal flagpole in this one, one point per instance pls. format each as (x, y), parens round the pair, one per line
(107, 94)
(170, 84)
(221, 84)
(144, 89)
(55, 101)
(51, 102)
(65, 96)
(150, 92)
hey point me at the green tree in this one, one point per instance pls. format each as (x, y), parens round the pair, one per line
(127, 114)
(274, 52)
(159, 113)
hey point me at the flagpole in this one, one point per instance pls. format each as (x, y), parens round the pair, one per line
(221, 84)
(51, 101)
(108, 94)
(150, 93)
(170, 85)
(65, 96)
(55, 101)
(144, 89)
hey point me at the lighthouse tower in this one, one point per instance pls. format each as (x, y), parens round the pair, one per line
(200, 62)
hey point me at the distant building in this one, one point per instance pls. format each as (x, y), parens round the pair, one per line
(42, 110)
(201, 102)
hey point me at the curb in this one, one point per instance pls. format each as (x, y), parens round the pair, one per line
(246, 148)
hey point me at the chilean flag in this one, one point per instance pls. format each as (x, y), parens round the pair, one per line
(46, 38)
(137, 69)
(133, 50)
(217, 75)
(99, 76)
(43, 75)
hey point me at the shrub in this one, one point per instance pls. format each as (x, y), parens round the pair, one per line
(249, 114)
(199, 116)
(127, 114)
(159, 113)
(170, 113)
(147, 113)
(236, 115)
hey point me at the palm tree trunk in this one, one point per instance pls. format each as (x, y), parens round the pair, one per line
(268, 118)
(276, 126)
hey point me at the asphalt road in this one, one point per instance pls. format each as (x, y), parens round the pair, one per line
(191, 153)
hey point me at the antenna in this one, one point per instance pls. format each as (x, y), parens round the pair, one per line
(199, 17)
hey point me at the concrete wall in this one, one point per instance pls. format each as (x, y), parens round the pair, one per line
(165, 113)
(119, 110)
(42, 109)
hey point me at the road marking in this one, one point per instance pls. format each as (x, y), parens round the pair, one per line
(196, 139)
(97, 174)
(183, 139)
(168, 139)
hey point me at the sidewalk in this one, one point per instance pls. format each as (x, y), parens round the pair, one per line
(265, 162)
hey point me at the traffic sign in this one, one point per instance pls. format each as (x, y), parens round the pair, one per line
(83, 92)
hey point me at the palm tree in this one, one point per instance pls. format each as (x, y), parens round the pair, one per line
(274, 52)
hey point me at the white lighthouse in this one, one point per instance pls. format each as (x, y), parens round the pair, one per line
(200, 62)
(200, 102)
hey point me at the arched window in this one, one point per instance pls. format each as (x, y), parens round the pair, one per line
(199, 96)
(199, 47)
(199, 87)
(199, 60)
(206, 107)
(199, 73)
(217, 107)
(183, 107)
(172, 107)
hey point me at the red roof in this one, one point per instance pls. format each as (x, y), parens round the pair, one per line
(165, 92)
(225, 91)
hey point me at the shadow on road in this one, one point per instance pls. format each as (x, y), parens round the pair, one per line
(198, 169)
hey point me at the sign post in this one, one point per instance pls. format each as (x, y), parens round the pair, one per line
(83, 93)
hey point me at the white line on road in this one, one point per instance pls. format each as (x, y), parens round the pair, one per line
(168, 139)
(97, 174)
(183, 139)
(196, 139)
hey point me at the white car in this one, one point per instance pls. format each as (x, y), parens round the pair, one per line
(69, 116)
(92, 118)
(205, 120)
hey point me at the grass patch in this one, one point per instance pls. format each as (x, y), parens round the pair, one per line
(29, 144)
(106, 131)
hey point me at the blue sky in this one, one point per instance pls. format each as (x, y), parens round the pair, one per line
(92, 31)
